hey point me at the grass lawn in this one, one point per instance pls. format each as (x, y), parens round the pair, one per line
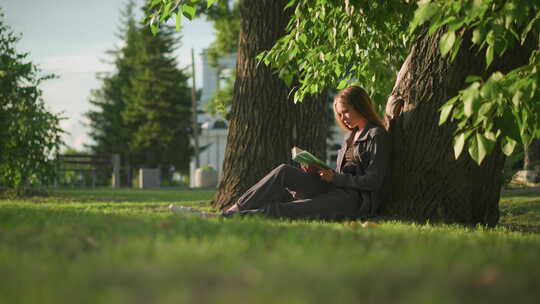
(122, 246)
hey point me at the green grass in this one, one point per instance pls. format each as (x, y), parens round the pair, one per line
(521, 211)
(123, 246)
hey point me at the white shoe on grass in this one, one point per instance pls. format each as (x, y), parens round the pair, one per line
(182, 210)
(187, 211)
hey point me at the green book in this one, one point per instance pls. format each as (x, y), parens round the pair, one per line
(304, 157)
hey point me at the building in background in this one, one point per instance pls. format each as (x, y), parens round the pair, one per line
(214, 129)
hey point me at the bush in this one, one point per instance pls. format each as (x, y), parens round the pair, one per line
(30, 135)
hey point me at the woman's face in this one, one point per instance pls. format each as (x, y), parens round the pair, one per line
(349, 116)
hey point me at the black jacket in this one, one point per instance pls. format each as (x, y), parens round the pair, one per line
(372, 157)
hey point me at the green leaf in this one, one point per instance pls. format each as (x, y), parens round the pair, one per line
(434, 26)
(508, 19)
(525, 138)
(472, 78)
(489, 90)
(189, 11)
(509, 124)
(287, 78)
(485, 108)
(445, 112)
(456, 24)
(291, 3)
(293, 52)
(455, 49)
(298, 97)
(337, 70)
(490, 136)
(446, 42)
(179, 20)
(470, 99)
(478, 7)
(509, 146)
(489, 56)
(489, 140)
(209, 3)
(497, 76)
(529, 26)
(303, 38)
(459, 143)
(478, 36)
(516, 100)
(154, 28)
(473, 149)
(166, 11)
(425, 11)
(484, 147)
(342, 84)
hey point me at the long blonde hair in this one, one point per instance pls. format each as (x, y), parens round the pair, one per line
(359, 99)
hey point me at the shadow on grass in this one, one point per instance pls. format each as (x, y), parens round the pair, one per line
(520, 210)
(120, 195)
(521, 192)
(25, 224)
(74, 232)
(157, 258)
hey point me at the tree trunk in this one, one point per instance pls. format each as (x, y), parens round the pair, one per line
(531, 162)
(265, 124)
(427, 182)
(532, 155)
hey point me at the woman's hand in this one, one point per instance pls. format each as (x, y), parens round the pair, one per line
(326, 175)
(310, 169)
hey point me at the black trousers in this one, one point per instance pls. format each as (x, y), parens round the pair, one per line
(312, 198)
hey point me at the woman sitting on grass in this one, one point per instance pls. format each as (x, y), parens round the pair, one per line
(353, 190)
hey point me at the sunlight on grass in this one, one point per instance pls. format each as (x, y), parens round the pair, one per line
(124, 246)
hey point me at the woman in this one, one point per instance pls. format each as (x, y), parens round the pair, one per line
(352, 190)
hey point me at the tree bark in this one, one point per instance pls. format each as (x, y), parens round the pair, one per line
(531, 161)
(265, 124)
(532, 155)
(427, 183)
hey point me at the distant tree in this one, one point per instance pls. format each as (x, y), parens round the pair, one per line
(29, 133)
(108, 129)
(143, 107)
(158, 108)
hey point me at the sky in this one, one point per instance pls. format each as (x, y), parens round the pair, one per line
(70, 37)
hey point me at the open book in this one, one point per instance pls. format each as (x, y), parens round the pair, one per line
(304, 157)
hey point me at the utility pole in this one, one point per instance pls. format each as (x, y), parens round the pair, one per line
(194, 111)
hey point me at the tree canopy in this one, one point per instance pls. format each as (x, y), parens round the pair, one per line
(369, 38)
(332, 43)
(495, 106)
